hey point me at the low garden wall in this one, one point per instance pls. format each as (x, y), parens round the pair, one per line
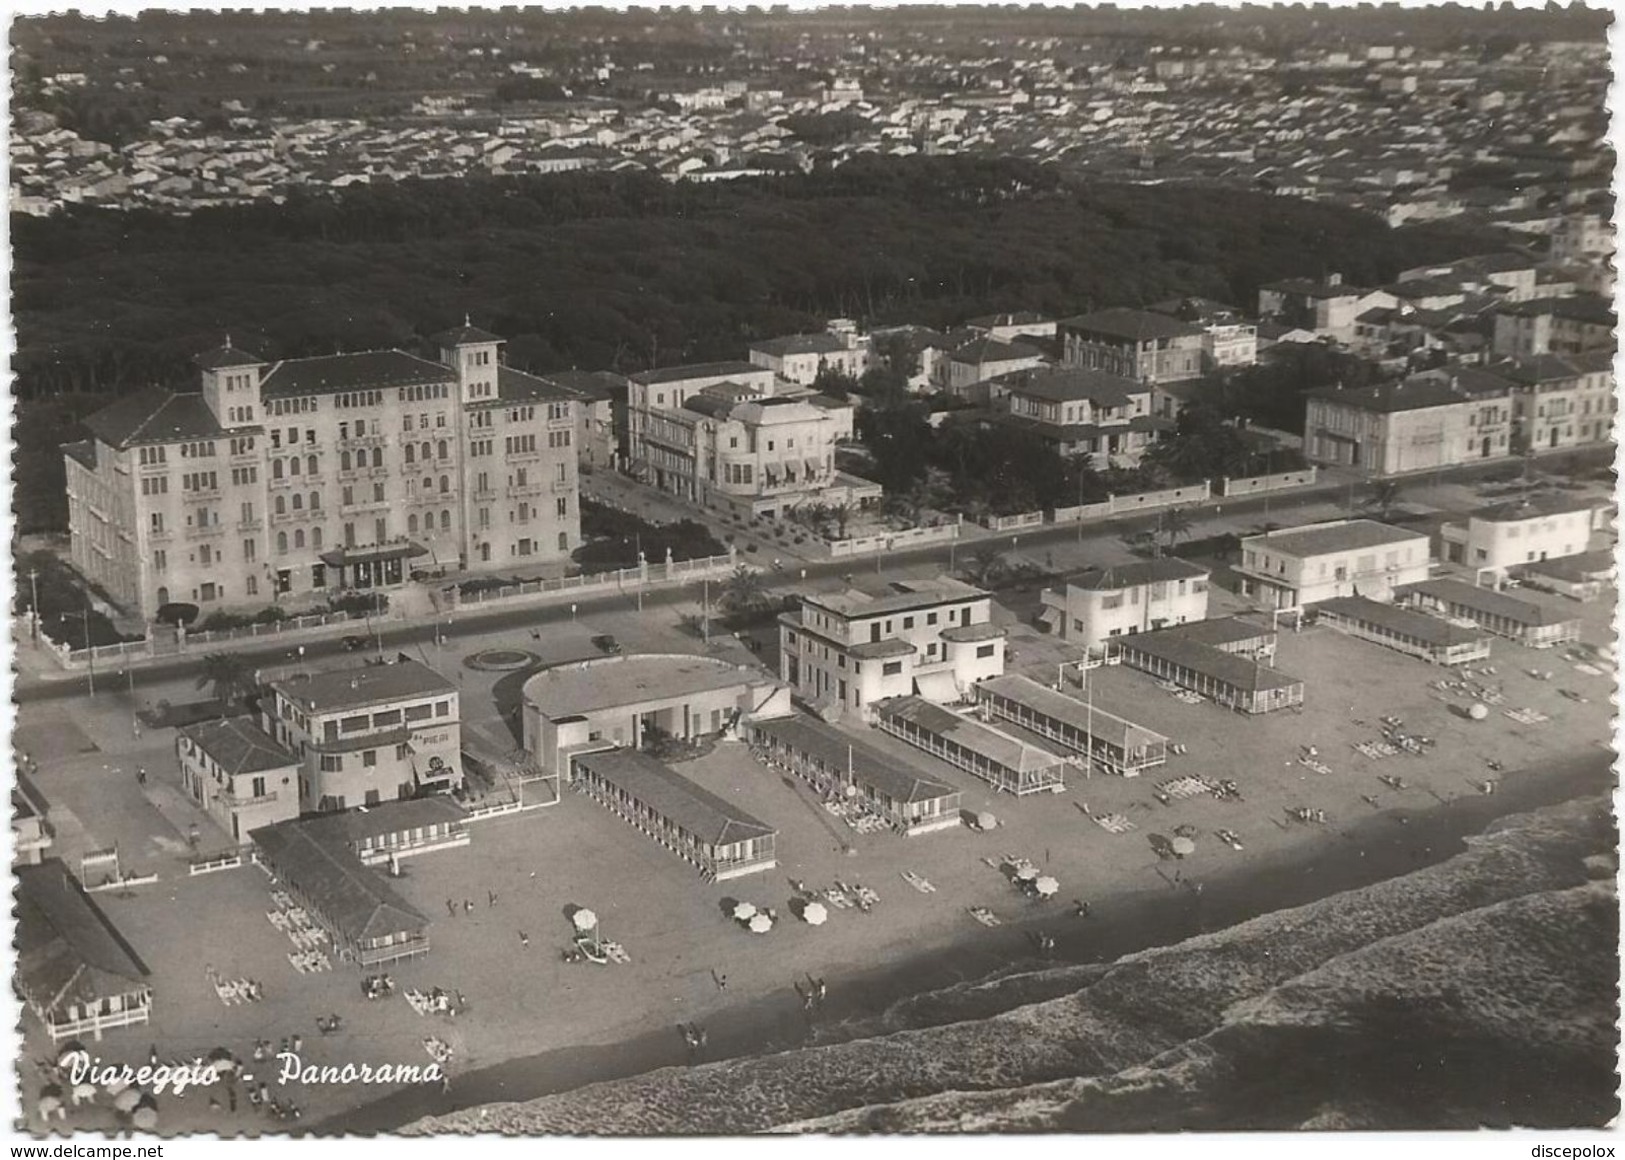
(893, 541)
(1259, 484)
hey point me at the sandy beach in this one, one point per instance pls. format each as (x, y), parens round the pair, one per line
(1378, 848)
(534, 1024)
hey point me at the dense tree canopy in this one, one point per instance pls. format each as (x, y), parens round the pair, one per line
(627, 271)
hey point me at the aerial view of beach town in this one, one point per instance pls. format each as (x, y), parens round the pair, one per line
(817, 571)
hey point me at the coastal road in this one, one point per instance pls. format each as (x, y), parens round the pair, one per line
(470, 623)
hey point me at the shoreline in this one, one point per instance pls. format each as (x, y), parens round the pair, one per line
(1374, 848)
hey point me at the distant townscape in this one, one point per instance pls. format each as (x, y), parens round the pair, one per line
(1503, 133)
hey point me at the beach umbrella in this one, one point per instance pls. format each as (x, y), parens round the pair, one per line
(1183, 846)
(1026, 874)
(1046, 886)
(986, 821)
(116, 1086)
(744, 911)
(814, 914)
(145, 1118)
(761, 924)
(127, 1099)
(1478, 712)
(584, 919)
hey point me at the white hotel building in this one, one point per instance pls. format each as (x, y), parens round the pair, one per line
(300, 477)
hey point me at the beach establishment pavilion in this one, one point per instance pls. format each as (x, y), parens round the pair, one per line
(317, 863)
(1413, 633)
(721, 840)
(1004, 762)
(73, 969)
(835, 764)
(618, 700)
(1116, 744)
(1534, 621)
(1232, 680)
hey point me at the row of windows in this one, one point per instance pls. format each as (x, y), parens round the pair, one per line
(311, 464)
(155, 485)
(334, 762)
(150, 456)
(239, 414)
(298, 406)
(199, 481)
(423, 393)
(359, 399)
(197, 450)
(519, 444)
(243, 445)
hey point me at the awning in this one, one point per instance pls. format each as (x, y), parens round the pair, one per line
(938, 687)
(812, 468)
(348, 557)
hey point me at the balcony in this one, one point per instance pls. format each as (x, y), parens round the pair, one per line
(238, 801)
(561, 486)
(250, 525)
(206, 532)
(369, 441)
(524, 490)
(160, 536)
(201, 495)
(485, 493)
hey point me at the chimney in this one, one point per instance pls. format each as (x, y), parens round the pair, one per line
(1334, 279)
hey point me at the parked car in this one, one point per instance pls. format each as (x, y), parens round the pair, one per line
(605, 643)
(355, 643)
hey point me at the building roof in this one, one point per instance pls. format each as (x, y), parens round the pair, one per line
(905, 595)
(580, 687)
(362, 370)
(986, 350)
(1125, 322)
(1581, 567)
(1077, 432)
(715, 370)
(972, 633)
(1531, 507)
(1309, 288)
(595, 385)
(516, 386)
(1420, 626)
(1115, 731)
(237, 745)
(1072, 384)
(1414, 394)
(1580, 308)
(356, 688)
(227, 355)
(1170, 645)
(1224, 630)
(1135, 575)
(1521, 609)
(823, 343)
(1018, 318)
(673, 797)
(84, 451)
(1336, 536)
(464, 335)
(354, 827)
(870, 767)
(348, 893)
(1550, 368)
(1198, 310)
(1138, 325)
(67, 951)
(154, 415)
(997, 747)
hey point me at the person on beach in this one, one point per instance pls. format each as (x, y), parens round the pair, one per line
(524, 940)
(451, 908)
(490, 898)
(720, 980)
(468, 907)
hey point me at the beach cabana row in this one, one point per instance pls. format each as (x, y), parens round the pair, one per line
(836, 765)
(1412, 633)
(1004, 762)
(1114, 743)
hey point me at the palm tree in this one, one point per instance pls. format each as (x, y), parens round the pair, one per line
(743, 589)
(1384, 497)
(1176, 523)
(229, 676)
(842, 514)
(985, 566)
